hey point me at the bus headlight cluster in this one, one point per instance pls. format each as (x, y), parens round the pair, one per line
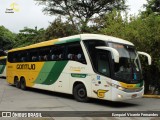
(120, 88)
(117, 86)
(125, 89)
(120, 96)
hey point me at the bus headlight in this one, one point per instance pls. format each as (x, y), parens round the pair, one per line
(117, 86)
(121, 88)
(120, 96)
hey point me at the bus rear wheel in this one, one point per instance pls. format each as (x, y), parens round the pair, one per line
(80, 93)
(23, 84)
(16, 82)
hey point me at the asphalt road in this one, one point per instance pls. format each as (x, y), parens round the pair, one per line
(13, 99)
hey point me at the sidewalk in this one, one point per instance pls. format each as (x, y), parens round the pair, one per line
(151, 96)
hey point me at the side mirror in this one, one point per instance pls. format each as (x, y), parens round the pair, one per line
(114, 52)
(147, 55)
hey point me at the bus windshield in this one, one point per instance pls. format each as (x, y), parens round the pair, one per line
(129, 68)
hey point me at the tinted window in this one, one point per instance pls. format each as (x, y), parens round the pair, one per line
(49, 53)
(102, 60)
(75, 53)
(99, 58)
(69, 51)
(57, 53)
(90, 45)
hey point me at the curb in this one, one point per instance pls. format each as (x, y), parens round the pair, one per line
(151, 96)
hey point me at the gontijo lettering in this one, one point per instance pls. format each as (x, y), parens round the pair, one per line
(26, 66)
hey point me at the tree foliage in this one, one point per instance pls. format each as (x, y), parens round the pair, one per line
(59, 28)
(81, 11)
(29, 36)
(6, 38)
(143, 32)
(152, 6)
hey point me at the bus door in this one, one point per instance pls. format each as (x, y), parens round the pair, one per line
(102, 68)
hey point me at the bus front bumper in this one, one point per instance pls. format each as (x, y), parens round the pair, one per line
(119, 95)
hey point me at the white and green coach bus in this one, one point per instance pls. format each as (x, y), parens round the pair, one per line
(3, 66)
(85, 65)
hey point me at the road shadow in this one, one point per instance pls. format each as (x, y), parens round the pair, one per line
(113, 104)
(3, 78)
(50, 93)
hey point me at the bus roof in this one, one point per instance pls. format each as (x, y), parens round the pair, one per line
(74, 38)
(105, 38)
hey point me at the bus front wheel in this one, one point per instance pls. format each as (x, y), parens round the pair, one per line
(80, 93)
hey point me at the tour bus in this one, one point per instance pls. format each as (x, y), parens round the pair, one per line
(85, 65)
(3, 66)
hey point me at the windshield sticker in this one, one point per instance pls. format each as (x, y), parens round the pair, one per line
(118, 46)
(135, 76)
(98, 78)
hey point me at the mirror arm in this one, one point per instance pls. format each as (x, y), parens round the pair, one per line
(113, 51)
(147, 55)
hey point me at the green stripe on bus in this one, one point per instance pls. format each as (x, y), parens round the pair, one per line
(50, 72)
(2, 68)
(55, 72)
(67, 41)
(46, 69)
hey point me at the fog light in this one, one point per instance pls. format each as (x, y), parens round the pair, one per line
(120, 96)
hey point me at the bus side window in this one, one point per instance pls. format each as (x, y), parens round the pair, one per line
(14, 60)
(60, 56)
(45, 57)
(79, 57)
(39, 58)
(57, 53)
(103, 62)
(53, 57)
(23, 59)
(33, 54)
(44, 54)
(15, 57)
(34, 58)
(69, 56)
(75, 53)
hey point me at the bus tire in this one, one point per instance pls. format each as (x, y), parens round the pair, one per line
(16, 82)
(23, 84)
(80, 93)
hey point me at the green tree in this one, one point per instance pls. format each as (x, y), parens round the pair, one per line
(80, 12)
(58, 29)
(7, 38)
(29, 36)
(152, 6)
(2, 53)
(143, 32)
